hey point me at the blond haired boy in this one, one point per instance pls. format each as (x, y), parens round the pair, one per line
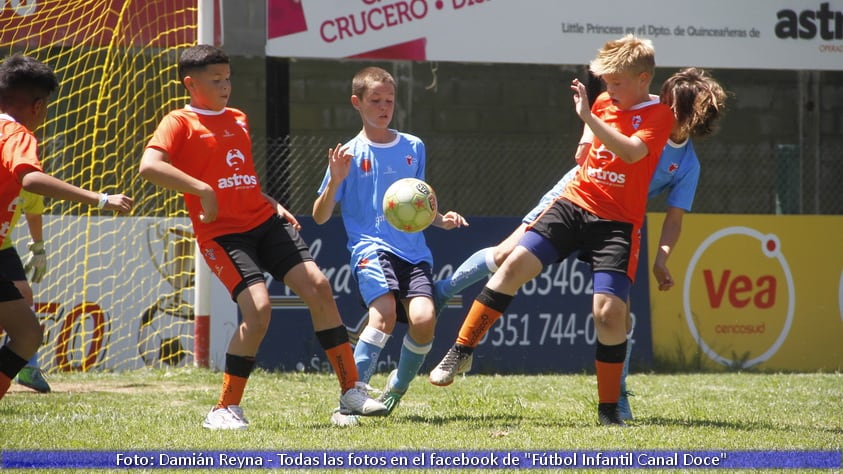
(600, 214)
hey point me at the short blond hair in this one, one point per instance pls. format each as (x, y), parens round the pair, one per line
(629, 54)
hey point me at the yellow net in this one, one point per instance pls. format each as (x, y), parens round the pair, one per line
(117, 293)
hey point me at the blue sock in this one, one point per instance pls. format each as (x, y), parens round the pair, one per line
(412, 358)
(368, 351)
(33, 362)
(626, 365)
(479, 265)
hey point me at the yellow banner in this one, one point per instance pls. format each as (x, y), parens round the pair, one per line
(758, 291)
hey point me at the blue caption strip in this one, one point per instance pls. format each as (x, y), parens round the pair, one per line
(421, 459)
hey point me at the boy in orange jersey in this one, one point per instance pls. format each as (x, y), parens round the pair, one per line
(600, 214)
(25, 88)
(204, 151)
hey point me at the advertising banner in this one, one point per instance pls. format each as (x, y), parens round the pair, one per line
(548, 328)
(752, 291)
(756, 34)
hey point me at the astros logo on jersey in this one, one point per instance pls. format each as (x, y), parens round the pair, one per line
(234, 158)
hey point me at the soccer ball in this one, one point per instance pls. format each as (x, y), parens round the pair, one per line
(409, 205)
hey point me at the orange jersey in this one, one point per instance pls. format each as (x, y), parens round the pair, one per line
(606, 185)
(215, 148)
(18, 155)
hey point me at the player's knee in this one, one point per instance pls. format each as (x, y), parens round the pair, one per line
(320, 287)
(608, 312)
(424, 326)
(257, 327)
(29, 339)
(500, 253)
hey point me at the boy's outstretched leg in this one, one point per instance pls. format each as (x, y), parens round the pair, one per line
(479, 265)
(485, 310)
(310, 284)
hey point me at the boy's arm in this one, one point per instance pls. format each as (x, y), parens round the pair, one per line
(156, 168)
(671, 229)
(584, 146)
(36, 260)
(449, 220)
(339, 163)
(35, 223)
(324, 205)
(41, 183)
(629, 149)
(282, 211)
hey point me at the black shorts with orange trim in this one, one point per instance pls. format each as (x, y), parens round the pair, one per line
(240, 260)
(607, 245)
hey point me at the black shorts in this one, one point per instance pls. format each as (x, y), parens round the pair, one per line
(386, 272)
(605, 244)
(11, 267)
(239, 260)
(8, 291)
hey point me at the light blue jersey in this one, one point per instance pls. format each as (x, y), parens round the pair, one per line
(374, 167)
(678, 173)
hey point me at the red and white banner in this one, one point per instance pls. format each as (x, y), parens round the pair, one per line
(750, 34)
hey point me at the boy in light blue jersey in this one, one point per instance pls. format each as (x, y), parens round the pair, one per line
(393, 269)
(698, 102)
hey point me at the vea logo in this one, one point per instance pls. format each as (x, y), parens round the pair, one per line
(739, 297)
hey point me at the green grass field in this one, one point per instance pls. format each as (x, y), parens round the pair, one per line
(163, 410)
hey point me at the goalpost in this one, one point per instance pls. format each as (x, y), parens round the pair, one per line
(121, 292)
(202, 294)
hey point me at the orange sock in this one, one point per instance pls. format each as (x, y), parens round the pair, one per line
(5, 383)
(609, 381)
(342, 360)
(232, 390)
(477, 322)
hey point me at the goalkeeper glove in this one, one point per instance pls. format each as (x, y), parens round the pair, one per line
(36, 262)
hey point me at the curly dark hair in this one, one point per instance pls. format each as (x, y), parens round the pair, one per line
(697, 100)
(197, 58)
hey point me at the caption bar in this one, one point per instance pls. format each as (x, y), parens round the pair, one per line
(420, 459)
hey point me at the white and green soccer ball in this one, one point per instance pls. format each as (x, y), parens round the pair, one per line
(409, 205)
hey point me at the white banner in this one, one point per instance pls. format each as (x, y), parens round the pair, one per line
(744, 34)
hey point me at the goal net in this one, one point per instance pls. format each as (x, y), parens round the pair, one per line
(118, 290)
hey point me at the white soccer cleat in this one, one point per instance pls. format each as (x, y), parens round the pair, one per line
(455, 362)
(338, 418)
(356, 401)
(227, 418)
